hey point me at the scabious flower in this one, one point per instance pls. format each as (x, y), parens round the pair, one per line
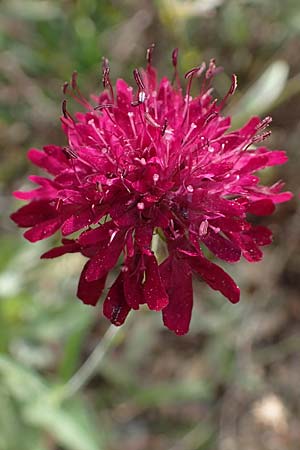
(153, 160)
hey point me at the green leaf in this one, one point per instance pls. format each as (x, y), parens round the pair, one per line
(70, 428)
(23, 384)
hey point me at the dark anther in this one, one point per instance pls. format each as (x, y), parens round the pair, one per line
(138, 79)
(175, 57)
(74, 80)
(210, 118)
(150, 53)
(151, 121)
(231, 90)
(69, 153)
(196, 71)
(164, 127)
(233, 84)
(264, 123)
(64, 108)
(105, 77)
(105, 73)
(211, 69)
(261, 137)
(105, 106)
(65, 87)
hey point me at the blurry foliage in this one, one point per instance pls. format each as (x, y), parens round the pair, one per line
(152, 389)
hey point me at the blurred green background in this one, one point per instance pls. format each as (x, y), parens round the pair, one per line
(233, 381)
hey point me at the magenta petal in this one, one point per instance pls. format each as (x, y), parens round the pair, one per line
(154, 291)
(282, 197)
(216, 278)
(115, 307)
(177, 314)
(90, 292)
(28, 195)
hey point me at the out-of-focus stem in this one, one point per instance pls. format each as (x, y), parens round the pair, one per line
(84, 373)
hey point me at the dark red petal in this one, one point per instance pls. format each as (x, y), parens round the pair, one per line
(70, 246)
(115, 307)
(216, 278)
(264, 207)
(105, 259)
(97, 235)
(154, 291)
(82, 218)
(51, 159)
(143, 237)
(43, 230)
(221, 247)
(90, 292)
(250, 250)
(261, 235)
(34, 213)
(177, 314)
(133, 289)
(230, 224)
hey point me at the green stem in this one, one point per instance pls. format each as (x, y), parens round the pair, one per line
(85, 372)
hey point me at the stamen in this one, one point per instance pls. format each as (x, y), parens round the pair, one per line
(210, 118)
(70, 153)
(105, 78)
(65, 87)
(74, 80)
(104, 106)
(58, 204)
(164, 127)
(150, 53)
(141, 206)
(132, 124)
(195, 72)
(175, 57)
(212, 69)
(203, 228)
(175, 62)
(151, 121)
(264, 123)
(230, 92)
(142, 97)
(261, 137)
(138, 80)
(65, 112)
(64, 109)
(186, 137)
(75, 92)
(155, 178)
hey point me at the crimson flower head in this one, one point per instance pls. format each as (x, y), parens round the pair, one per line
(153, 160)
